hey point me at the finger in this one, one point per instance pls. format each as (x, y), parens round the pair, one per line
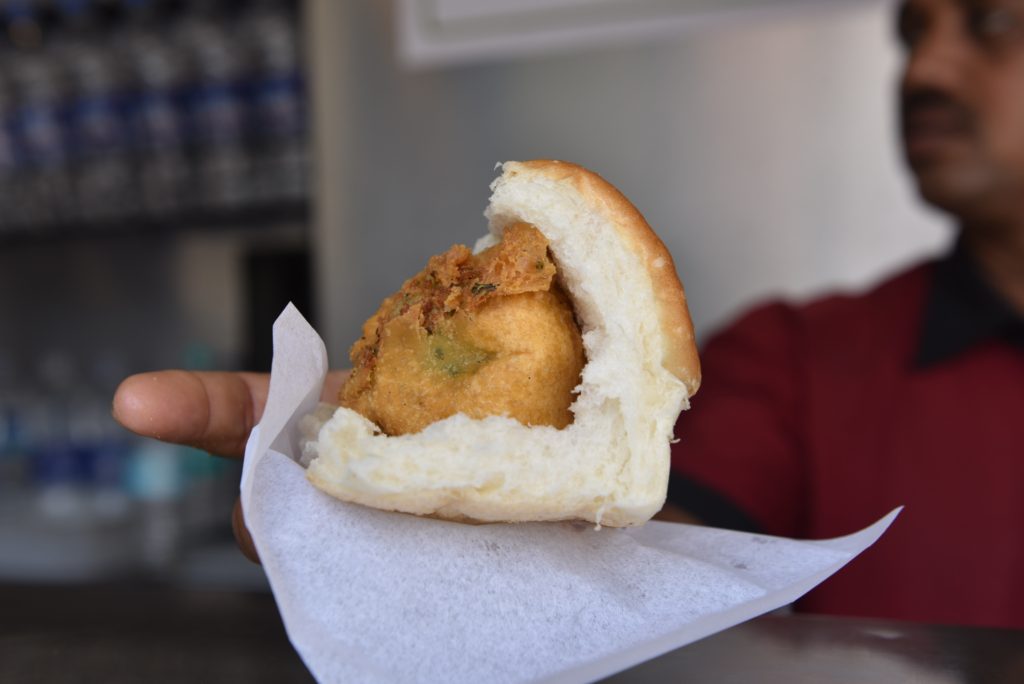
(211, 411)
(672, 513)
(242, 536)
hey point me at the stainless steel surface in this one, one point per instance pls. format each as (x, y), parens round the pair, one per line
(793, 649)
(114, 634)
(156, 634)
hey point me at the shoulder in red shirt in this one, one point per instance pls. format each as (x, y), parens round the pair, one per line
(814, 421)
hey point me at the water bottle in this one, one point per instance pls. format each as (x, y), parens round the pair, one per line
(10, 218)
(100, 443)
(215, 106)
(276, 103)
(13, 458)
(37, 127)
(155, 482)
(99, 140)
(155, 110)
(58, 472)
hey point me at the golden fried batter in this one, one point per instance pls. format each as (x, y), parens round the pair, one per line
(486, 334)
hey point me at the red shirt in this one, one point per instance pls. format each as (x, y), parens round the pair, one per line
(814, 421)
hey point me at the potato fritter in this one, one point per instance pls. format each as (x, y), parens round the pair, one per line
(486, 334)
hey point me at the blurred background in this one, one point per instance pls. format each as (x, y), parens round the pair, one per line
(172, 172)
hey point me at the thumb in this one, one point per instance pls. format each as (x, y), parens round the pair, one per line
(242, 536)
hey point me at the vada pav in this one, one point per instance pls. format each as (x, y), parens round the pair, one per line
(538, 377)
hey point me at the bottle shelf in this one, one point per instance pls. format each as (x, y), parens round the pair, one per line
(254, 217)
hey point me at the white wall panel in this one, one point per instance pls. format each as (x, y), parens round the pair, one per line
(762, 151)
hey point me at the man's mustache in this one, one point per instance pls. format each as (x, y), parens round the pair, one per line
(919, 103)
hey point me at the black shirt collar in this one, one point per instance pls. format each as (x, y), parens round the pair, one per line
(962, 310)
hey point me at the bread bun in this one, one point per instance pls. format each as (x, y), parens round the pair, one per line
(610, 465)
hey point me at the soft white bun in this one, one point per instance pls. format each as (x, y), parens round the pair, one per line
(610, 466)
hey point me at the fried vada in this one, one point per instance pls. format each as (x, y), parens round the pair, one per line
(537, 377)
(484, 334)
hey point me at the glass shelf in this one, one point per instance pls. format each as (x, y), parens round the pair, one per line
(251, 217)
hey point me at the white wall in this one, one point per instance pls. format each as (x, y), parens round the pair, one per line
(786, 161)
(763, 153)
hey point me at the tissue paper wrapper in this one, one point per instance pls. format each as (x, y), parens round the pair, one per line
(369, 595)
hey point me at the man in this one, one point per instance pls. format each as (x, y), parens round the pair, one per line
(816, 420)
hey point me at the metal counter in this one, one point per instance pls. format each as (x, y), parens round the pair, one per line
(119, 634)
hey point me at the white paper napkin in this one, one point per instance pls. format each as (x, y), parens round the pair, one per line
(373, 596)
